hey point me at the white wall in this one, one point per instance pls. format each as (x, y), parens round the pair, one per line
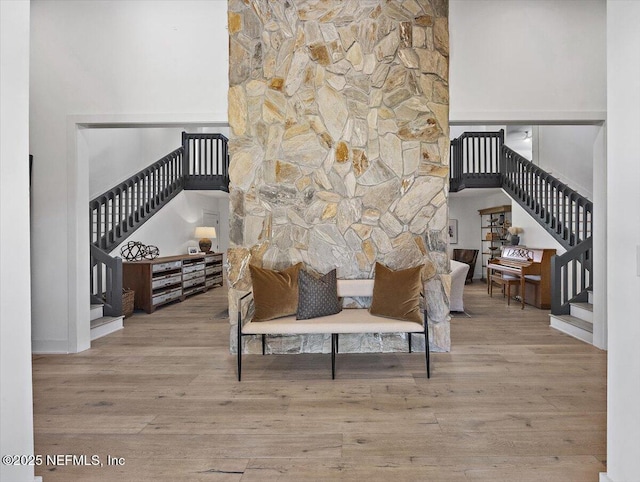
(458, 130)
(172, 229)
(16, 413)
(514, 137)
(533, 235)
(104, 62)
(527, 60)
(600, 240)
(567, 152)
(623, 240)
(118, 153)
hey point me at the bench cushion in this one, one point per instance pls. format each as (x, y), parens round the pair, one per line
(347, 321)
(355, 288)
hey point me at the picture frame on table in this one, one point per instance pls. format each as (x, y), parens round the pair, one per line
(192, 250)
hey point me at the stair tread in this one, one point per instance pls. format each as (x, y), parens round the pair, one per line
(575, 321)
(584, 305)
(104, 320)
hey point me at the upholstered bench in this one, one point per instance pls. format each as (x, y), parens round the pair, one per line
(356, 320)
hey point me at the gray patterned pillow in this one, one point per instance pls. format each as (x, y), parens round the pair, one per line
(317, 296)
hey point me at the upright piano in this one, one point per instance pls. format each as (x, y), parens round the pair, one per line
(532, 266)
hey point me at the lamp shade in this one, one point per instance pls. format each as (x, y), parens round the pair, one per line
(206, 232)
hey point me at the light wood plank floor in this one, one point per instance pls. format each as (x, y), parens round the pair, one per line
(514, 401)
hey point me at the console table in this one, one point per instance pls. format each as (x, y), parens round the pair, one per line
(163, 280)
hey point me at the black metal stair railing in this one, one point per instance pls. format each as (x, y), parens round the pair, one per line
(202, 162)
(560, 210)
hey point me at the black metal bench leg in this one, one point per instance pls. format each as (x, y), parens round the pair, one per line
(239, 349)
(409, 342)
(426, 348)
(263, 344)
(334, 347)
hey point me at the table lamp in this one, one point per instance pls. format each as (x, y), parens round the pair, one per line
(206, 234)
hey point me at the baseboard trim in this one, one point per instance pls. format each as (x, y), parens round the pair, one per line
(604, 477)
(49, 347)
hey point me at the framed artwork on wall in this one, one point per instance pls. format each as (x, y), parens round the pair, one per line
(453, 231)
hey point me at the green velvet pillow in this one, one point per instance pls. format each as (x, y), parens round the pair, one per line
(396, 294)
(275, 293)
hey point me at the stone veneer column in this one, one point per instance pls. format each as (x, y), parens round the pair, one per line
(340, 148)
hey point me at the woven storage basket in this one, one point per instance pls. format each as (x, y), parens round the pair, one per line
(128, 297)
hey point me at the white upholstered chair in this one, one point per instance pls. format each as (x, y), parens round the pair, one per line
(458, 278)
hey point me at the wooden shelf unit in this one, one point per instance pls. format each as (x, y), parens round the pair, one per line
(494, 222)
(163, 280)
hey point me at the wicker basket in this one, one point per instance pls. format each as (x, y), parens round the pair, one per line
(128, 297)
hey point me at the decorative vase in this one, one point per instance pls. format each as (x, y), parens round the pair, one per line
(515, 240)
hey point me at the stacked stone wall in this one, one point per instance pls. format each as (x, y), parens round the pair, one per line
(340, 147)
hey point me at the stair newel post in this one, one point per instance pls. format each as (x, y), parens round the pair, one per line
(503, 161)
(116, 293)
(225, 157)
(453, 167)
(556, 295)
(185, 157)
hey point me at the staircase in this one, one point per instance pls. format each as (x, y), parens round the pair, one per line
(480, 159)
(201, 163)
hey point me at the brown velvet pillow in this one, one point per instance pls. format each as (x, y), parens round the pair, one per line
(396, 294)
(275, 293)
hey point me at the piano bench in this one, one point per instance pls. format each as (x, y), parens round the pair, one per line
(506, 281)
